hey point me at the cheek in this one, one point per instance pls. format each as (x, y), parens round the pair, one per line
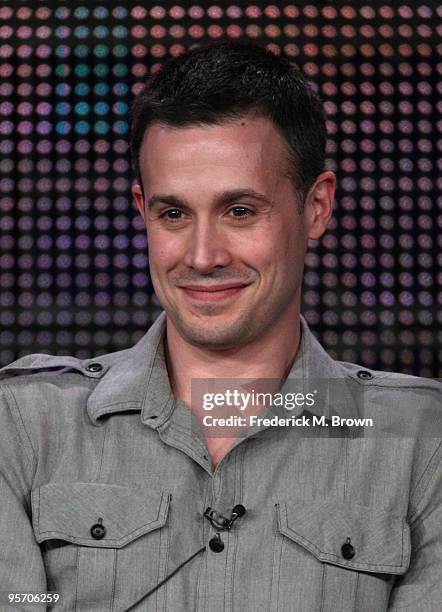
(164, 251)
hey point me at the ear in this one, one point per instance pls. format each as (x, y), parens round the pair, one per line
(137, 193)
(318, 205)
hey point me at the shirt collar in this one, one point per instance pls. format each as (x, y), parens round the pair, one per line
(137, 378)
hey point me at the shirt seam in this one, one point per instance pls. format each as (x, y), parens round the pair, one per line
(20, 427)
(429, 472)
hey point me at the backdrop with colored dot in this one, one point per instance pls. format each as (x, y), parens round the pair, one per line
(73, 254)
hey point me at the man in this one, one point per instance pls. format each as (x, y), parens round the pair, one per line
(117, 494)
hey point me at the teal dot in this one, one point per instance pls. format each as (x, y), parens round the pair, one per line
(121, 108)
(101, 89)
(101, 51)
(121, 127)
(101, 70)
(82, 70)
(81, 51)
(82, 108)
(81, 12)
(82, 127)
(119, 32)
(62, 108)
(101, 127)
(120, 51)
(101, 31)
(63, 127)
(120, 70)
(62, 70)
(82, 89)
(101, 108)
(62, 13)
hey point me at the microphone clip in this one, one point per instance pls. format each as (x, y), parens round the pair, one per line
(220, 522)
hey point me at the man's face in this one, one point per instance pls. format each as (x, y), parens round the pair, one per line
(226, 241)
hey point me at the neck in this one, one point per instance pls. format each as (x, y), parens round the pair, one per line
(271, 355)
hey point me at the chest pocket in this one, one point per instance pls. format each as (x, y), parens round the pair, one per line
(360, 549)
(102, 544)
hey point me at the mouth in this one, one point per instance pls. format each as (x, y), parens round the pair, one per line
(213, 293)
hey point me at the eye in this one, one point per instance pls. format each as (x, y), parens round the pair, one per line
(172, 214)
(241, 212)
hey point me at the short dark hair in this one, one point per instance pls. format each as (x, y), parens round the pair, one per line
(219, 82)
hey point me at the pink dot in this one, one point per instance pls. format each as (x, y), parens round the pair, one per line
(196, 31)
(24, 13)
(6, 51)
(24, 51)
(176, 50)
(5, 12)
(138, 12)
(24, 70)
(42, 13)
(43, 51)
(139, 51)
(234, 12)
(5, 32)
(234, 31)
(157, 12)
(158, 31)
(43, 90)
(215, 31)
(253, 11)
(291, 11)
(272, 11)
(138, 31)
(177, 12)
(5, 70)
(43, 32)
(196, 12)
(215, 12)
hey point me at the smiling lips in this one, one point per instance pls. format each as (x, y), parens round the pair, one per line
(212, 293)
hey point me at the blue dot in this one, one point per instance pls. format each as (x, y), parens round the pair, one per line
(82, 127)
(121, 127)
(101, 108)
(82, 89)
(63, 127)
(100, 12)
(101, 31)
(62, 108)
(101, 89)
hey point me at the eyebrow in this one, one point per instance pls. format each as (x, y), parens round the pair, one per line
(223, 197)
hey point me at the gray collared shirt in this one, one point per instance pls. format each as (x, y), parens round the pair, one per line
(104, 481)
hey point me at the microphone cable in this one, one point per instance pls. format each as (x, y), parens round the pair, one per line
(131, 607)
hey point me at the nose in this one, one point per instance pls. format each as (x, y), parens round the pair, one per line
(207, 248)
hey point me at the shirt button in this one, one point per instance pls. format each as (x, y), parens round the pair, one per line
(98, 531)
(94, 367)
(347, 550)
(216, 544)
(364, 374)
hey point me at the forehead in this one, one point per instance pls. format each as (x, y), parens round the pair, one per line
(250, 145)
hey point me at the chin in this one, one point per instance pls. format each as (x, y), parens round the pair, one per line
(209, 334)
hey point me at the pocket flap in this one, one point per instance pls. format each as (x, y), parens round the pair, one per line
(380, 540)
(67, 511)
